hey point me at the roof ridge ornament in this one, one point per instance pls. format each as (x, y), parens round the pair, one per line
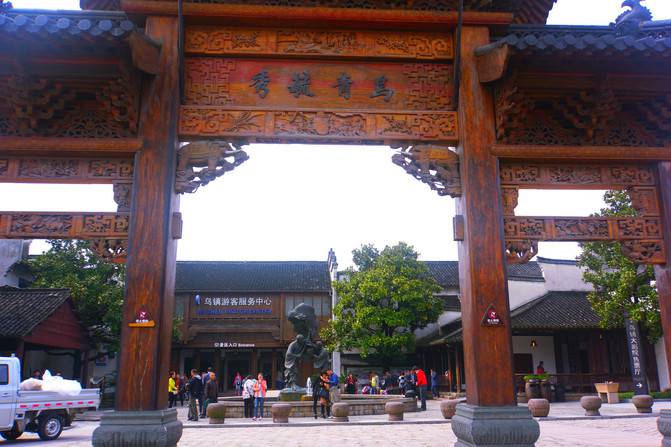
(629, 22)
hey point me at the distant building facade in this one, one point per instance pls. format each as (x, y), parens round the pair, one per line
(233, 315)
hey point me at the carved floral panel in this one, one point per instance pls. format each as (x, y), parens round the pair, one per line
(574, 175)
(65, 170)
(216, 40)
(25, 225)
(582, 228)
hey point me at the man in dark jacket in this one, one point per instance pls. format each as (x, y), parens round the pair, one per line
(195, 394)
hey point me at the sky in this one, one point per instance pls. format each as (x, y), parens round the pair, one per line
(295, 202)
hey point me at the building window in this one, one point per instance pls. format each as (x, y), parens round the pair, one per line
(4, 374)
(321, 304)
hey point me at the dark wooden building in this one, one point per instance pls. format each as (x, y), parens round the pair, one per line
(41, 327)
(233, 315)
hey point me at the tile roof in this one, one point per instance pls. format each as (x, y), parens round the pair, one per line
(552, 311)
(447, 272)
(257, 276)
(654, 38)
(86, 27)
(556, 310)
(21, 310)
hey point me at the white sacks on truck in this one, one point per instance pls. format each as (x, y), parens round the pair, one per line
(56, 384)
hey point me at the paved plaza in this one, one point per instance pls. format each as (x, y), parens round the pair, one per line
(619, 427)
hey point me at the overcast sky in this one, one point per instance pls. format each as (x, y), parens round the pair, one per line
(294, 202)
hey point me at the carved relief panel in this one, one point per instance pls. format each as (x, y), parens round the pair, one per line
(65, 170)
(402, 91)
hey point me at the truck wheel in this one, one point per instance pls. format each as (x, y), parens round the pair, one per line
(12, 434)
(50, 427)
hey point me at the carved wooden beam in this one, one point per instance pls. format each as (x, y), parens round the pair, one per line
(261, 15)
(581, 153)
(46, 225)
(65, 170)
(68, 146)
(575, 176)
(436, 166)
(493, 64)
(200, 162)
(641, 237)
(520, 251)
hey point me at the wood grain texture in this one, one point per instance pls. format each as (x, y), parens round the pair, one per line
(663, 272)
(145, 352)
(482, 274)
(260, 15)
(580, 153)
(41, 146)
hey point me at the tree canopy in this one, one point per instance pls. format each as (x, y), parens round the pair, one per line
(621, 287)
(381, 303)
(96, 286)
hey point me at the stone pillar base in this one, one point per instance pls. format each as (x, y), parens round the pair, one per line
(664, 427)
(138, 429)
(494, 426)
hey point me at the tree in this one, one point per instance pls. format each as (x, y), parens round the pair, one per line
(382, 302)
(621, 287)
(96, 287)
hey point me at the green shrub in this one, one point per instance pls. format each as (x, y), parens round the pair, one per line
(536, 377)
(654, 394)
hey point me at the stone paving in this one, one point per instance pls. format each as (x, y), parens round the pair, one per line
(622, 431)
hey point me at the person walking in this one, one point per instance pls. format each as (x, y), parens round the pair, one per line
(211, 392)
(172, 390)
(421, 384)
(260, 388)
(434, 384)
(195, 394)
(237, 382)
(248, 396)
(205, 377)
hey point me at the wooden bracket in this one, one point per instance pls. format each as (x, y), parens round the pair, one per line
(145, 52)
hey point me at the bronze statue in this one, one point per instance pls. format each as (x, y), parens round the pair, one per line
(304, 321)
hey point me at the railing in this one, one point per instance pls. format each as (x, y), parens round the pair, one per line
(584, 383)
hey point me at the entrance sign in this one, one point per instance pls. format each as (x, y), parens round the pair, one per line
(307, 85)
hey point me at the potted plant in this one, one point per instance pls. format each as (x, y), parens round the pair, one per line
(532, 386)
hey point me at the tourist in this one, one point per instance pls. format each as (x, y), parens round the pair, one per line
(308, 386)
(334, 385)
(260, 388)
(350, 384)
(540, 369)
(195, 394)
(211, 394)
(172, 390)
(248, 396)
(434, 384)
(237, 382)
(402, 382)
(421, 385)
(181, 386)
(320, 393)
(374, 383)
(448, 378)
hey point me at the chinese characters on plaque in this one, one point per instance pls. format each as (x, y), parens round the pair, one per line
(301, 82)
(636, 358)
(212, 306)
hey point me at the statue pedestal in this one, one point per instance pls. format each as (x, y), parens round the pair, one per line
(292, 395)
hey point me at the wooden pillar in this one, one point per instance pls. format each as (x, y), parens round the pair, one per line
(663, 272)
(150, 273)
(449, 368)
(458, 362)
(482, 268)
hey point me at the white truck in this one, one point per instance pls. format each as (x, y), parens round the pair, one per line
(41, 412)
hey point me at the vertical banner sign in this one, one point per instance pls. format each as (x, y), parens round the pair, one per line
(636, 357)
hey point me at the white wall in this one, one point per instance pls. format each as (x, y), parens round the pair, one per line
(662, 366)
(521, 292)
(563, 277)
(11, 251)
(544, 350)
